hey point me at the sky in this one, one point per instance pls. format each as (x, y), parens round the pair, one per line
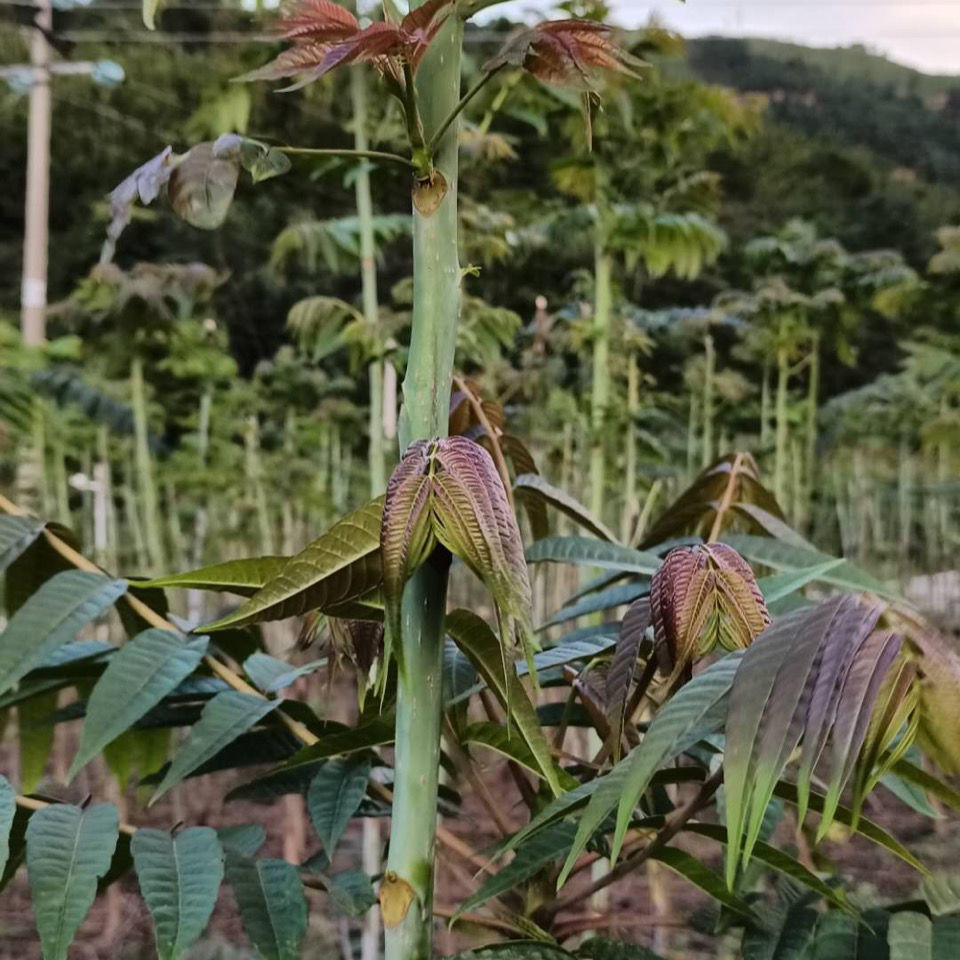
(920, 33)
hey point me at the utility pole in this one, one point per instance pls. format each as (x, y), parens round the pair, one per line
(33, 290)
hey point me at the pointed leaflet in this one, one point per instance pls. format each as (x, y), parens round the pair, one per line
(697, 709)
(633, 630)
(478, 642)
(35, 722)
(138, 676)
(406, 534)
(223, 719)
(53, 616)
(16, 534)
(474, 520)
(272, 906)
(270, 674)
(592, 553)
(595, 602)
(781, 585)
(334, 797)
(770, 708)
(243, 577)
(8, 807)
(786, 556)
(340, 566)
(179, 878)
(533, 486)
(68, 850)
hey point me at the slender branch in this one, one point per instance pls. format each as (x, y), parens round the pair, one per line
(355, 154)
(32, 803)
(674, 824)
(459, 108)
(496, 452)
(414, 120)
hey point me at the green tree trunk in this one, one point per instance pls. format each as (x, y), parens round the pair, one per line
(782, 435)
(426, 393)
(600, 395)
(813, 402)
(706, 454)
(765, 405)
(631, 506)
(146, 483)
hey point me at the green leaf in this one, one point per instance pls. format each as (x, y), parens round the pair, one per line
(8, 807)
(68, 850)
(600, 948)
(270, 674)
(532, 485)
(835, 937)
(786, 939)
(941, 891)
(334, 797)
(16, 534)
(515, 950)
(926, 781)
(531, 857)
(271, 902)
(352, 892)
(910, 936)
(34, 567)
(148, 11)
(502, 740)
(340, 566)
(700, 875)
(36, 737)
(785, 556)
(592, 553)
(179, 879)
(697, 709)
(781, 585)
(377, 732)
(245, 839)
(863, 826)
(481, 645)
(53, 616)
(597, 602)
(777, 860)
(138, 676)
(243, 577)
(223, 719)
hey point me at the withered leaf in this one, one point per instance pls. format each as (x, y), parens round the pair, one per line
(396, 896)
(429, 192)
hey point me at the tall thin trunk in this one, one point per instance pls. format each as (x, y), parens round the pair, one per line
(196, 599)
(60, 484)
(37, 477)
(706, 454)
(144, 462)
(813, 399)
(782, 435)
(691, 436)
(370, 939)
(426, 392)
(905, 503)
(600, 394)
(631, 504)
(255, 481)
(765, 405)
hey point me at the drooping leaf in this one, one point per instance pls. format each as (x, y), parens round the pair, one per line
(597, 602)
(700, 875)
(270, 674)
(787, 557)
(532, 485)
(8, 808)
(592, 553)
(242, 577)
(787, 679)
(927, 782)
(223, 719)
(781, 585)
(633, 629)
(910, 936)
(139, 675)
(245, 839)
(502, 740)
(480, 644)
(334, 797)
(35, 720)
(531, 857)
(696, 710)
(68, 850)
(352, 892)
(516, 950)
(272, 905)
(262, 161)
(16, 534)
(340, 566)
(179, 876)
(53, 616)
